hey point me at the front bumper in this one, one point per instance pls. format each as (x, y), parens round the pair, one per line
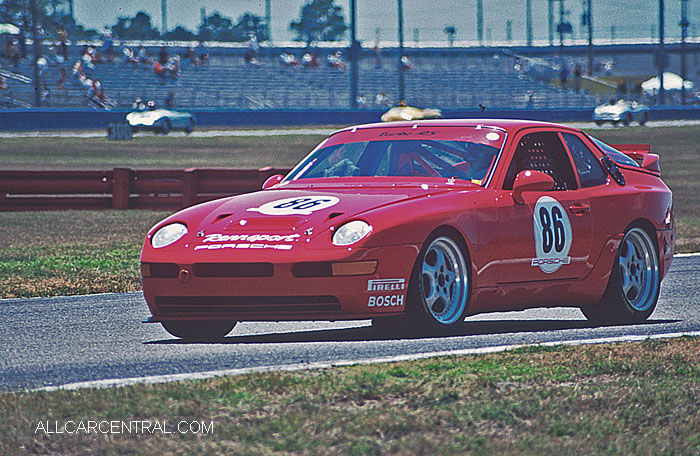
(279, 291)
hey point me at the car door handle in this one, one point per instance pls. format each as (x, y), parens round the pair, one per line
(580, 208)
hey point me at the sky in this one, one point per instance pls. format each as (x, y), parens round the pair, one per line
(424, 21)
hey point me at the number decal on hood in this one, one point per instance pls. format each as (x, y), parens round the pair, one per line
(298, 205)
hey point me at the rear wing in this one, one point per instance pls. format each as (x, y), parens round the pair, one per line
(641, 154)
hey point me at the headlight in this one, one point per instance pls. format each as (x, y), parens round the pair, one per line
(351, 232)
(168, 234)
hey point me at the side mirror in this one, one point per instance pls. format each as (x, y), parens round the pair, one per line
(272, 180)
(530, 181)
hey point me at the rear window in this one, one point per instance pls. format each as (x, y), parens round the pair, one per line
(616, 156)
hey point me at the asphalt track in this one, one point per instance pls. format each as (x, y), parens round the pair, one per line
(99, 340)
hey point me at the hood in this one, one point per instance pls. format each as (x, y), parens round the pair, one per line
(300, 212)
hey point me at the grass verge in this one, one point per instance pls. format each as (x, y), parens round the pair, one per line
(619, 399)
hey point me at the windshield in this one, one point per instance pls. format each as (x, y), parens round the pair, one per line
(468, 157)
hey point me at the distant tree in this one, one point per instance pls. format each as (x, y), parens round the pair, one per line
(319, 20)
(135, 28)
(180, 33)
(216, 28)
(52, 15)
(450, 31)
(248, 23)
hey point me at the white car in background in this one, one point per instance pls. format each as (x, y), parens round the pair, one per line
(161, 120)
(621, 111)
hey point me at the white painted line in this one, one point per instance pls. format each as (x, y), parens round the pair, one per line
(686, 255)
(121, 382)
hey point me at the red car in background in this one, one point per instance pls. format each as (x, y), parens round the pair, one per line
(419, 224)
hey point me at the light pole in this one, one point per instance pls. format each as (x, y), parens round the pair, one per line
(164, 16)
(37, 52)
(354, 54)
(661, 58)
(684, 31)
(402, 89)
(589, 23)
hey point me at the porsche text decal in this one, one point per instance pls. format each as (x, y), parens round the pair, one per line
(298, 205)
(552, 235)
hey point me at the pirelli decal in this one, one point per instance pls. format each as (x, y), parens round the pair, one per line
(386, 284)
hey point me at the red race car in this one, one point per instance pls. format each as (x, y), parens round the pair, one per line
(419, 224)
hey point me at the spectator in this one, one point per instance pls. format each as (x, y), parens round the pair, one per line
(170, 100)
(61, 85)
(406, 63)
(578, 73)
(251, 58)
(377, 54)
(335, 60)
(288, 60)
(191, 56)
(382, 99)
(143, 56)
(202, 54)
(564, 75)
(63, 39)
(309, 60)
(128, 57)
(12, 53)
(163, 56)
(108, 46)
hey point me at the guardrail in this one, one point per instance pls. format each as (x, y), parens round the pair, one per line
(124, 188)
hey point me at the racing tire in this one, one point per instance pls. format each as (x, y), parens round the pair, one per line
(440, 288)
(634, 285)
(190, 126)
(163, 126)
(644, 119)
(199, 330)
(627, 120)
(599, 122)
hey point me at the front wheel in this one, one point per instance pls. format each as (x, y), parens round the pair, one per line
(440, 287)
(163, 126)
(199, 330)
(635, 281)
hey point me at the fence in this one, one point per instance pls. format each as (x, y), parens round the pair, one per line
(124, 188)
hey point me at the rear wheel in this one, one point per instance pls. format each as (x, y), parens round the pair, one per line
(199, 330)
(644, 119)
(190, 126)
(634, 285)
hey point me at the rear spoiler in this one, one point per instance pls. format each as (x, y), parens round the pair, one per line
(641, 154)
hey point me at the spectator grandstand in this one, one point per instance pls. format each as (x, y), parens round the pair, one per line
(451, 80)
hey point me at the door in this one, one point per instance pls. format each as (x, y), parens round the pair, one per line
(548, 237)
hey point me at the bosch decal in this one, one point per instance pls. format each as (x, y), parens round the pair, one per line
(386, 301)
(386, 284)
(552, 235)
(298, 205)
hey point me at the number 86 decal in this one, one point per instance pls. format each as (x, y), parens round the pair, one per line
(552, 230)
(301, 205)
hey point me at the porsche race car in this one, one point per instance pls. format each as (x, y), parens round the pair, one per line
(417, 225)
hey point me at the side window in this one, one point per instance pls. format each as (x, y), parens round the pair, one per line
(590, 172)
(542, 151)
